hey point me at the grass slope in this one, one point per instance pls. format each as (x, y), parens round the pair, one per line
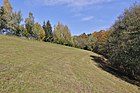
(28, 66)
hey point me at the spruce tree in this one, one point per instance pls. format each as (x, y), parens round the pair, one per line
(48, 31)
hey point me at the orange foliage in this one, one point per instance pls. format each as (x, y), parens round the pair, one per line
(102, 36)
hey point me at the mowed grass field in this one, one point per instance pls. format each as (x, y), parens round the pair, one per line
(28, 66)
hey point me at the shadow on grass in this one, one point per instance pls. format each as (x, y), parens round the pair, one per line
(103, 64)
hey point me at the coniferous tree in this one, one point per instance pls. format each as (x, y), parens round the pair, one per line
(3, 22)
(48, 31)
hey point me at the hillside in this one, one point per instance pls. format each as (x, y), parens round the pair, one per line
(28, 66)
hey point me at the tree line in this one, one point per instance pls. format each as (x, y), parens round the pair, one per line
(120, 43)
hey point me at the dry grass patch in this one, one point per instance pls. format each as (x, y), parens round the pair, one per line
(28, 66)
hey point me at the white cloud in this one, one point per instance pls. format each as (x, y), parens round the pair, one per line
(88, 18)
(72, 3)
(77, 15)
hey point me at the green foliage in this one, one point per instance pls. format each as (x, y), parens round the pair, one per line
(81, 41)
(38, 32)
(15, 24)
(62, 34)
(8, 10)
(29, 23)
(7, 14)
(66, 35)
(91, 42)
(48, 31)
(124, 42)
(3, 22)
(25, 32)
(57, 33)
(101, 41)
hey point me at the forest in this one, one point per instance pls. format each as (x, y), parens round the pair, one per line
(120, 44)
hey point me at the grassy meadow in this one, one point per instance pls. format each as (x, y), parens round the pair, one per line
(28, 66)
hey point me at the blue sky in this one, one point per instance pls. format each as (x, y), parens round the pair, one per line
(80, 15)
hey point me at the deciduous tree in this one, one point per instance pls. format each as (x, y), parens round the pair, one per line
(124, 42)
(62, 34)
(29, 23)
(7, 14)
(16, 20)
(38, 32)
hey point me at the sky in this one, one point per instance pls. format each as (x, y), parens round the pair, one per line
(81, 16)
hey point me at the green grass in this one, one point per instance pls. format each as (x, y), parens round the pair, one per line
(28, 66)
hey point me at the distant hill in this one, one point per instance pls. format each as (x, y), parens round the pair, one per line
(28, 66)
